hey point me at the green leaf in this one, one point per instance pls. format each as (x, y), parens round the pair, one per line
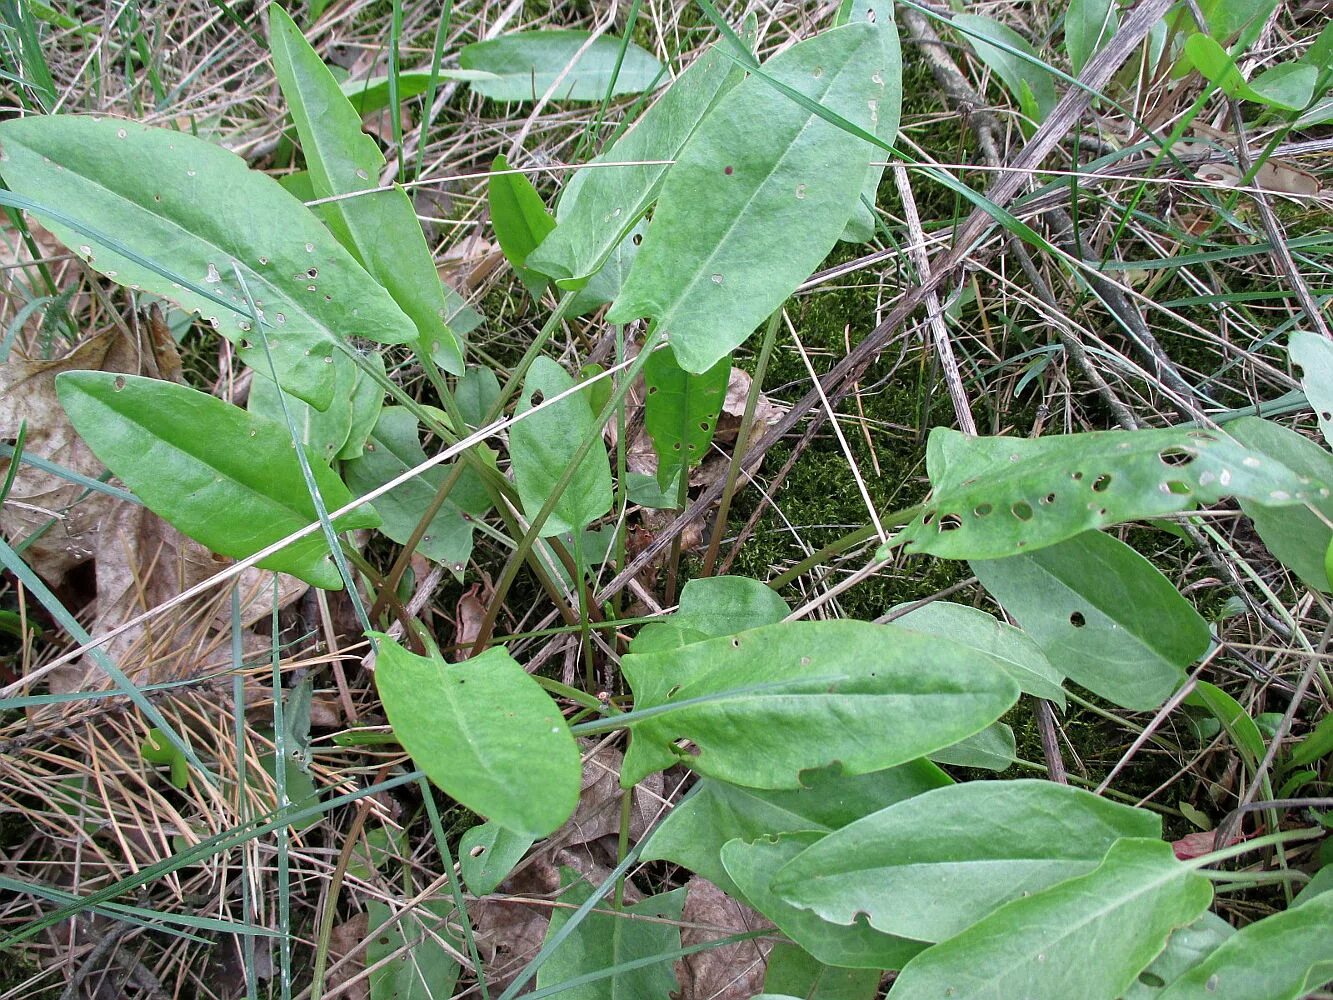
(1314, 355)
(860, 227)
(1089, 25)
(1316, 746)
(1224, 19)
(765, 705)
(392, 449)
(485, 732)
(752, 867)
(520, 219)
(793, 974)
(605, 940)
(525, 65)
(992, 749)
(989, 39)
(1186, 948)
(760, 171)
(932, 865)
(1006, 646)
(196, 210)
(694, 831)
(1087, 937)
(725, 605)
(366, 403)
(680, 411)
(993, 497)
(475, 393)
(1111, 620)
(425, 970)
(1281, 957)
(1234, 719)
(487, 854)
(156, 749)
(1289, 86)
(323, 434)
(228, 479)
(371, 94)
(379, 227)
(600, 204)
(541, 446)
(1296, 535)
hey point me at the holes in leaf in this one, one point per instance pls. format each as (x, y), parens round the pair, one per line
(1151, 980)
(313, 273)
(1047, 500)
(1177, 488)
(1177, 458)
(477, 851)
(1076, 476)
(672, 693)
(982, 509)
(652, 390)
(1022, 510)
(537, 398)
(676, 446)
(1077, 619)
(1102, 483)
(950, 522)
(929, 518)
(636, 239)
(735, 643)
(119, 383)
(705, 426)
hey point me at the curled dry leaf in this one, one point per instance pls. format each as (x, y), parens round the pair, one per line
(348, 938)
(39, 499)
(730, 972)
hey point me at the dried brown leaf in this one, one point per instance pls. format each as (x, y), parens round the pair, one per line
(729, 972)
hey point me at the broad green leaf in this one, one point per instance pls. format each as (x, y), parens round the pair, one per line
(1281, 957)
(366, 403)
(1296, 535)
(519, 218)
(752, 867)
(605, 940)
(323, 434)
(1314, 355)
(1233, 718)
(932, 865)
(380, 847)
(725, 605)
(196, 210)
(993, 497)
(541, 446)
(228, 479)
(792, 973)
(425, 971)
(680, 411)
(760, 171)
(1185, 949)
(988, 39)
(485, 732)
(992, 749)
(1089, 24)
(392, 449)
(1087, 937)
(1289, 86)
(1224, 19)
(1318, 744)
(476, 392)
(694, 831)
(765, 705)
(600, 204)
(1008, 647)
(525, 64)
(1103, 612)
(860, 227)
(371, 94)
(379, 227)
(1321, 883)
(487, 854)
